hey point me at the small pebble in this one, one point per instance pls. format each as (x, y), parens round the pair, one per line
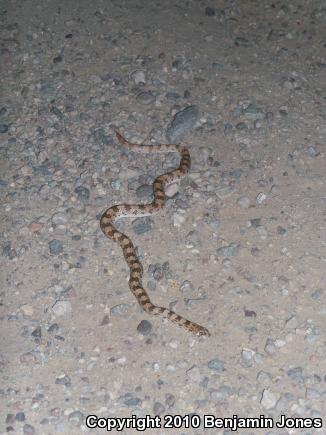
(227, 129)
(264, 377)
(261, 197)
(216, 365)
(174, 344)
(157, 271)
(27, 310)
(283, 402)
(37, 332)
(194, 374)
(255, 223)
(247, 355)
(59, 218)
(101, 138)
(249, 313)
(8, 252)
(169, 400)
(119, 310)
(220, 394)
(291, 323)
(142, 225)
(296, 374)
(270, 347)
(57, 112)
(312, 151)
(243, 202)
(145, 192)
(55, 247)
(182, 123)
(261, 230)
(210, 12)
(269, 399)
(53, 329)
(35, 227)
(63, 380)
(77, 418)
(253, 112)
(4, 128)
(28, 429)
(61, 308)
(158, 408)
(312, 394)
(217, 66)
(83, 193)
(138, 77)
(317, 294)
(193, 239)
(10, 419)
(20, 416)
(172, 190)
(240, 41)
(178, 219)
(280, 230)
(144, 327)
(241, 126)
(186, 287)
(57, 59)
(129, 400)
(145, 98)
(279, 343)
(105, 320)
(228, 251)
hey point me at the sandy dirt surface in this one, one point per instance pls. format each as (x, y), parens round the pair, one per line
(240, 247)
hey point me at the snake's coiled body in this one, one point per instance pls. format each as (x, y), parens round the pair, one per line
(127, 210)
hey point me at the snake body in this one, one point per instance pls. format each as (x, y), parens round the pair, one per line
(128, 249)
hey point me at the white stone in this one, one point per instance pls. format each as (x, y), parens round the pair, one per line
(243, 202)
(138, 77)
(291, 323)
(61, 308)
(27, 310)
(261, 197)
(171, 190)
(269, 399)
(194, 373)
(178, 220)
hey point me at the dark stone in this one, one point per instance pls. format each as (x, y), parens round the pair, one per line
(8, 252)
(55, 247)
(57, 112)
(57, 59)
(101, 138)
(28, 429)
(53, 329)
(182, 123)
(4, 128)
(144, 327)
(82, 193)
(37, 332)
(20, 416)
(210, 12)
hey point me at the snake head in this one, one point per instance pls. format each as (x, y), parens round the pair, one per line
(203, 332)
(200, 331)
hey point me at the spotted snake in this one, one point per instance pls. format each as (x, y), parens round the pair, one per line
(128, 249)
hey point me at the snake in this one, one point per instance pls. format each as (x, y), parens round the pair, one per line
(134, 210)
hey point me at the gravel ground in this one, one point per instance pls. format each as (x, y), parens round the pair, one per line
(240, 247)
